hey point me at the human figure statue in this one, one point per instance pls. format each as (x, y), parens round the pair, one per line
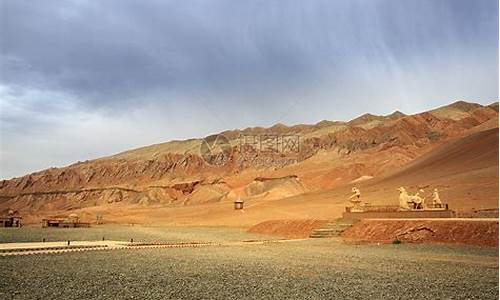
(403, 199)
(354, 199)
(356, 193)
(436, 201)
(419, 202)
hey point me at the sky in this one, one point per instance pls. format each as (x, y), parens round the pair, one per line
(85, 79)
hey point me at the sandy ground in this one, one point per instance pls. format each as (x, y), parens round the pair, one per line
(146, 234)
(311, 269)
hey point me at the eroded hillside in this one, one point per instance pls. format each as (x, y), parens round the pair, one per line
(326, 156)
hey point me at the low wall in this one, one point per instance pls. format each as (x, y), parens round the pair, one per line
(399, 214)
(288, 228)
(478, 232)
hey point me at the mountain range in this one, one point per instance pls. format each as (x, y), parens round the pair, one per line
(281, 172)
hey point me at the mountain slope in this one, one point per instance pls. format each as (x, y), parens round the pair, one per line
(464, 170)
(396, 149)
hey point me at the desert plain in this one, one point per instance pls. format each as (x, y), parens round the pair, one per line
(310, 268)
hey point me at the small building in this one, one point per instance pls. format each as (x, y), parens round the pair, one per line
(53, 222)
(238, 204)
(11, 221)
(72, 221)
(99, 219)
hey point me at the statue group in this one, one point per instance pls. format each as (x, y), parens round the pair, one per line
(406, 201)
(417, 201)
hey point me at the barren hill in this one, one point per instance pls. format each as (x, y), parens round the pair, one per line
(465, 170)
(301, 170)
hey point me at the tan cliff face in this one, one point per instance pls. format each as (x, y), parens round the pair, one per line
(330, 156)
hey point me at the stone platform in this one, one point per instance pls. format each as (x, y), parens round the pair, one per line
(410, 214)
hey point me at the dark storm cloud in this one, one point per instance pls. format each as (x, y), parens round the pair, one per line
(113, 50)
(107, 51)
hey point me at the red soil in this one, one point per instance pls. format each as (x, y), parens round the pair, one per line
(288, 228)
(478, 232)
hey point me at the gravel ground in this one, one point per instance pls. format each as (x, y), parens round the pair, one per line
(125, 233)
(312, 269)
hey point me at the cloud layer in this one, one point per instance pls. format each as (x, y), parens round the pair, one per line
(83, 79)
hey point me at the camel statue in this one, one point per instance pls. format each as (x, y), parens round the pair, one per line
(407, 202)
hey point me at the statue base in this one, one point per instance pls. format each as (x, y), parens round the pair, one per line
(394, 213)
